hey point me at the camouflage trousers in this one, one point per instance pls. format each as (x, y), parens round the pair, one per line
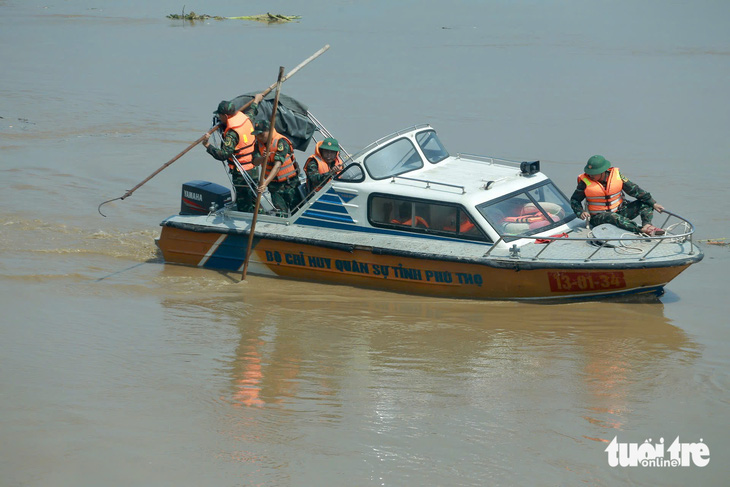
(245, 197)
(285, 195)
(623, 218)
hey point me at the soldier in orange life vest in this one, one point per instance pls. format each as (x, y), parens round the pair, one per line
(405, 217)
(603, 186)
(281, 170)
(323, 164)
(237, 140)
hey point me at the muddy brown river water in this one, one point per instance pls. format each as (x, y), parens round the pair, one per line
(116, 369)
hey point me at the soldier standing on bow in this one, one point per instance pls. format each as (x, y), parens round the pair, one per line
(237, 141)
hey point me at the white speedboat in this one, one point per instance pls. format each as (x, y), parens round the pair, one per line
(406, 215)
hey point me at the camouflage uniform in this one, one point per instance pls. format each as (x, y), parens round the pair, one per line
(245, 197)
(311, 166)
(314, 178)
(643, 206)
(284, 195)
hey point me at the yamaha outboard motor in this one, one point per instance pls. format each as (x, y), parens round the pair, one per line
(200, 197)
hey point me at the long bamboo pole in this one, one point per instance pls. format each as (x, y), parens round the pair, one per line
(262, 174)
(213, 129)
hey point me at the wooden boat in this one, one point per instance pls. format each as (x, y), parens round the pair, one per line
(407, 216)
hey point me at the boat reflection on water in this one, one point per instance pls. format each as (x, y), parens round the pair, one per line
(388, 363)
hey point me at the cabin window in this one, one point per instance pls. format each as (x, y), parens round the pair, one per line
(423, 216)
(527, 212)
(395, 158)
(352, 173)
(431, 146)
(551, 199)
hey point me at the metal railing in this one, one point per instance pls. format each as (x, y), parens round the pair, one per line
(489, 160)
(323, 130)
(428, 183)
(605, 242)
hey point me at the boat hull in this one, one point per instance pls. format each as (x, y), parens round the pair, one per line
(399, 272)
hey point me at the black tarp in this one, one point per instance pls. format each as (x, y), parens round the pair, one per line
(291, 117)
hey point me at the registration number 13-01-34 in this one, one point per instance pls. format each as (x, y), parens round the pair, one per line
(585, 281)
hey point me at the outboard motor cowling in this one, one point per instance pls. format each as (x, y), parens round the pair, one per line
(198, 197)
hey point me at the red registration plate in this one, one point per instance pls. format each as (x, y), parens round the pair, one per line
(561, 282)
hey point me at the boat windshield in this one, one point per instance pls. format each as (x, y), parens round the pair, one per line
(396, 158)
(532, 210)
(431, 146)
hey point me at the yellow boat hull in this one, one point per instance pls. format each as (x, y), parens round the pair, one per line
(489, 279)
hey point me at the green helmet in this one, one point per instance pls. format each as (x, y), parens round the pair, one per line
(597, 165)
(225, 108)
(261, 126)
(330, 144)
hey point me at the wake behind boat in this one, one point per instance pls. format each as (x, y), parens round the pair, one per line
(405, 215)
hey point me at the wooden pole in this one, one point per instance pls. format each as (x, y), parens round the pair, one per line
(262, 174)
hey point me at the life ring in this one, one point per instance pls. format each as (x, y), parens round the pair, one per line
(530, 218)
(553, 209)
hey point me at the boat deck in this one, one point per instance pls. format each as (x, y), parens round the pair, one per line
(580, 249)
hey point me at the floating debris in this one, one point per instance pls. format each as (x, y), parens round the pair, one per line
(268, 17)
(715, 241)
(192, 16)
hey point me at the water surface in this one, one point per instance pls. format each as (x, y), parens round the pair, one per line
(119, 370)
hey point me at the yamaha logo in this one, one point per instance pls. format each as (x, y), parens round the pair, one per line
(193, 196)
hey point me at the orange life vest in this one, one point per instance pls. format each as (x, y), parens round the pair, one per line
(600, 198)
(409, 222)
(466, 225)
(241, 124)
(528, 218)
(322, 166)
(288, 168)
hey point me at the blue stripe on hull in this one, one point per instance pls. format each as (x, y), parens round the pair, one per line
(327, 216)
(230, 254)
(330, 197)
(327, 206)
(655, 291)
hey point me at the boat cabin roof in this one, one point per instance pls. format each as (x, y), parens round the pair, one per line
(503, 197)
(414, 163)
